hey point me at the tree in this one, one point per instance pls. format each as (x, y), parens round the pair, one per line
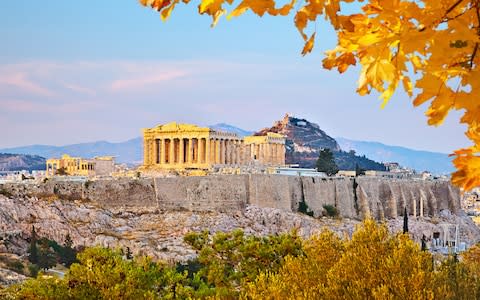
(373, 264)
(33, 250)
(68, 255)
(128, 254)
(405, 220)
(47, 257)
(230, 260)
(326, 162)
(430, 47)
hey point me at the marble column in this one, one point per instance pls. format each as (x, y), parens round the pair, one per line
(207, 150)
(228, 152)
(201, 151)
(217, 151)
(190, 151)
(181, 151)
(235, 152)
(222, 153)
(162, 152)
(171, 156)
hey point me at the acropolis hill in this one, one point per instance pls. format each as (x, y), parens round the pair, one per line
(152, 212)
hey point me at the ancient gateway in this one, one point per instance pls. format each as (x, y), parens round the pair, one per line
(176, 146)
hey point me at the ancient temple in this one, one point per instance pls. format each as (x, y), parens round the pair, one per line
(77, 166)
(176, 146)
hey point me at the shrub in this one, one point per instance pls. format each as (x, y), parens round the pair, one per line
(331, 210)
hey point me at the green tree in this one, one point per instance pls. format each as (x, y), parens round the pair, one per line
(128, 254)
(47, 257)
(33, 250)
(230, 260)
(405, 220)
(326, 162)
(68, 255)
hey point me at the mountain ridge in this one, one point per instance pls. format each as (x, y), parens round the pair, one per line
(420, 160)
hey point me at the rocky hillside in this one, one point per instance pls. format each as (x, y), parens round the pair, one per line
(16, 162)
(159, 234)
(306, 139)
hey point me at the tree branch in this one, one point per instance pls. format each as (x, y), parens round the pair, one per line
(452, 7)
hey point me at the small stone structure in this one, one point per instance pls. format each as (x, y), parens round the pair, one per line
(77, 166)
(176, 146)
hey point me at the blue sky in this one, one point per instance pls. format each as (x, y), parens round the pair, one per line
(89, 70)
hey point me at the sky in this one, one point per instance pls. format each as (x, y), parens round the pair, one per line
(90, 70)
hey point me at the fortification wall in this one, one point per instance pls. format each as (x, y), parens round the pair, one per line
(202, 193)
(353, 198)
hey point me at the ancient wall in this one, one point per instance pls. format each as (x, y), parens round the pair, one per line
(353, 198)
(221, 193)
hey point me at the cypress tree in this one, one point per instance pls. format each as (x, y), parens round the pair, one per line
(33, 250)
(405, 221)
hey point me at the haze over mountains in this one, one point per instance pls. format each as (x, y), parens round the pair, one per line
(435, 162)
(131, 151)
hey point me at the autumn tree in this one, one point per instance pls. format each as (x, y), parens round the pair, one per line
(373, 264)
(427, 47)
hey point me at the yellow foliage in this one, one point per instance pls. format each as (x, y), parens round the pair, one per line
(438, 40)
(371, 265)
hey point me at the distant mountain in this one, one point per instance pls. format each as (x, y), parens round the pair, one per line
(437, 163)
(17, 162)
(229, 128)
(125, 152)
(305, 140)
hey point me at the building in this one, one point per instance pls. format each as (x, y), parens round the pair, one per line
(386, 174)
(176, 146)
(346, 173)
(77, 166)
(298, 172)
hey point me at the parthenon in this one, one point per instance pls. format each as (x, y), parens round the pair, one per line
(176, 146)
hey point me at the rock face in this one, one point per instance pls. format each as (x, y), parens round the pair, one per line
(353, 198)
(152, 215)
(159, 234)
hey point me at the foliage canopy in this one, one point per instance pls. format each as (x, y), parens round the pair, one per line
(428, 47)
(372, 264)
(326, 162)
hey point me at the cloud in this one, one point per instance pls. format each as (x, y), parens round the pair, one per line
(80, 89)
(141, 82)
(21, 81)
(30, 106)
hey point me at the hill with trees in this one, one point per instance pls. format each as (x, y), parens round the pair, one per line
(17, 162)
